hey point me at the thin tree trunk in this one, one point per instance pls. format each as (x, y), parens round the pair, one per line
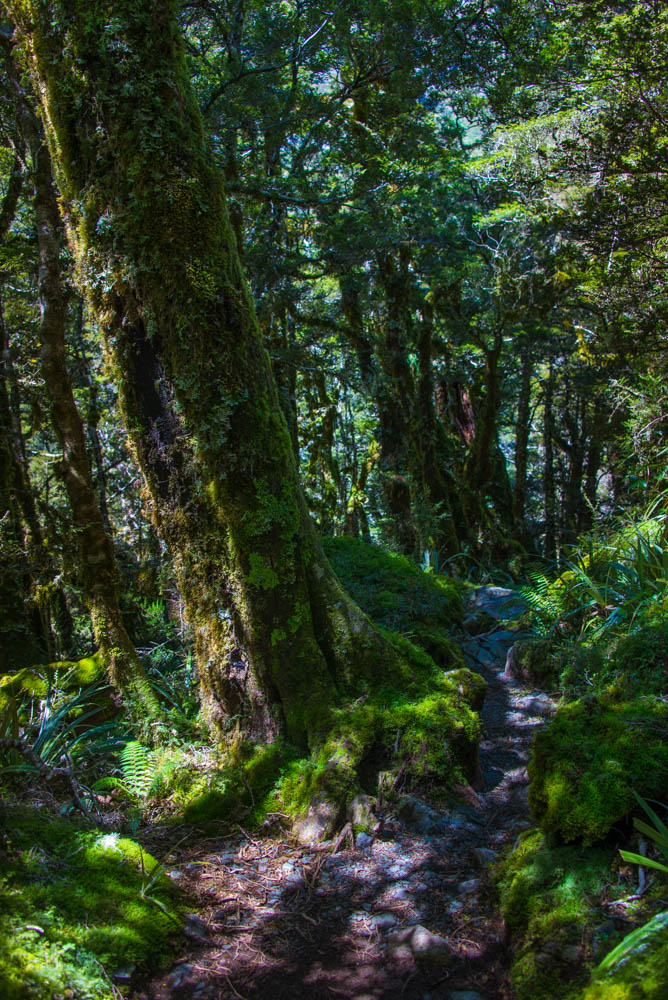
(394, 399)
(276, 636)
(92, 419)
(549, 493)
(97, 566)
(522, 430)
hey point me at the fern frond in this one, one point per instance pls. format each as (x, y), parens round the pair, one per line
(138, 767)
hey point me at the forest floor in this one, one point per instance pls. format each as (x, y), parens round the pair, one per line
(409, 915)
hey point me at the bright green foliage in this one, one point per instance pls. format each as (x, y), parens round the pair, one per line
(637, 969)
(96, 898)
(658, 833)
(548, 900)
(398, 595)
(585, 764)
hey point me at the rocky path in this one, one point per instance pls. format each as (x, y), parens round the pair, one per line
(407, 916)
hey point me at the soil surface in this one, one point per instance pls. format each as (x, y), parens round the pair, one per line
(408, 915)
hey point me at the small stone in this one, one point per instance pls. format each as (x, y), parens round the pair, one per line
(424, 945)
(180, 974)
(123, 973)
(471, 885)
(363, 841)
(571, 953)
(318, 823)
(400, 891)
(194, 926)
(484, 856)
(401, 952)
(382, 921)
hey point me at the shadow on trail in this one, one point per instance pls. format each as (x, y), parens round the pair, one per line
(278, 920)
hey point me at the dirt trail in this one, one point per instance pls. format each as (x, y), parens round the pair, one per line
(407, 917)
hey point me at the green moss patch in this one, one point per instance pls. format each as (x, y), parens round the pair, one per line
(76, 905)
(242, 785)
(434, 737)
(585, 764)
(399, 596)
(549, 900)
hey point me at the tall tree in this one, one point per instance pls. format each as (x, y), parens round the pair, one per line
(276, 636)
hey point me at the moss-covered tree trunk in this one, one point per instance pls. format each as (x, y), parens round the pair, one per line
(522, 431)
(96, 562)
(549, 489)
(276, 636)
(394, 400)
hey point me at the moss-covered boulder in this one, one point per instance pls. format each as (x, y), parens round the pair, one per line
(637, 969)
(547, 896)
(400, 596)
(77, 907)
(586, 763)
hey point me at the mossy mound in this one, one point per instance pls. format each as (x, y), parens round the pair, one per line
(548, 897)
(242, 786)
(76, 904)
(399, 596)
(586, 763)
(66, 674)
(431, 730)
(637, 969)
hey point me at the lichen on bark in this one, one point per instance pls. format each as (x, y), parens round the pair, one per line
(277, 639)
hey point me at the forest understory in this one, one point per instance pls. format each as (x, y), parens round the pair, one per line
(333, 500)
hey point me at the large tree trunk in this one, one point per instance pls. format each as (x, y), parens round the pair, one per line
(276, 636)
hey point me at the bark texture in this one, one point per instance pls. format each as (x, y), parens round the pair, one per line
(276, 636)
(96, 562)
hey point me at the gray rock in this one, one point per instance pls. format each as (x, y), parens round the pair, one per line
(422, 944)
(123, 973)
(498, 602)
(383, 921)
(180, 975)
(571, 953)
(363, 841)
(471, 885)
(194, 927)
(318, 823)
(484, 856)
(400, 891)
(420, 817)
(361, 814)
